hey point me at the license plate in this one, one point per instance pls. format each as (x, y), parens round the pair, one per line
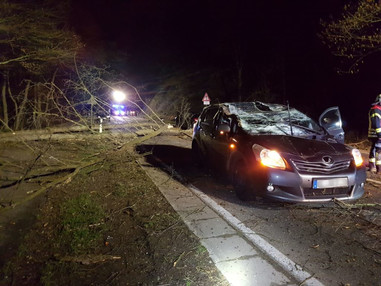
(330, 183)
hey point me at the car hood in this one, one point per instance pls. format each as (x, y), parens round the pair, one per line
(301, 147)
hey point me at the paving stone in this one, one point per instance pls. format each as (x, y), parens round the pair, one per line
(202, 213)
(210, 227)
(228, 247)
(252, 271)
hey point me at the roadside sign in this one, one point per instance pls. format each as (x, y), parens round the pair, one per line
(206, 99)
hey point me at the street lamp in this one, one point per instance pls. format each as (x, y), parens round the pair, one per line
(117, 107)
(118, 95)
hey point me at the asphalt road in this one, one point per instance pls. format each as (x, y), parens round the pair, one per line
(338, 245)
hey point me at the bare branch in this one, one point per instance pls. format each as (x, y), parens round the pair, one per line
(355, 35)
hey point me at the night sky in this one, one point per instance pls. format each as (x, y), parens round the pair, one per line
(276, 41)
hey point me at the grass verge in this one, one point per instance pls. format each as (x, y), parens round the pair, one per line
(82, 224)
(110, 226)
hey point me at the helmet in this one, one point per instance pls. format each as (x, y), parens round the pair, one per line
(378, 99)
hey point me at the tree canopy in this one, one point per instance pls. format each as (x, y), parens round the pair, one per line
(35, 36)
(36, 46)
(355, 35)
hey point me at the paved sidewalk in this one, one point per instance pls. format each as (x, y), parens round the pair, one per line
(236, 250)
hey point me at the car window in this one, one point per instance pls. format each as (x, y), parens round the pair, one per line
(209, 115)
(332, 119)
(276, 119)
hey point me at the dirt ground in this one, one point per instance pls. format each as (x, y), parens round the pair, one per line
(139, 240)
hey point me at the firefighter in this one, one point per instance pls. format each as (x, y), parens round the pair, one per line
(374, 135)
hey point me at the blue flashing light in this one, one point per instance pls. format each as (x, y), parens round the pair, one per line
(118, 109)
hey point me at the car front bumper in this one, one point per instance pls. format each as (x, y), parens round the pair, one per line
(289, 186)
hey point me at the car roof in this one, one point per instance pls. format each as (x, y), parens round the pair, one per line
(258, 106)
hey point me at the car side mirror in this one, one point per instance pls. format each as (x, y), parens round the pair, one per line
(223, 128)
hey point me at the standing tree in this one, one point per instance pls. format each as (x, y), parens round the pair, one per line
(356, 35)
(35, 44)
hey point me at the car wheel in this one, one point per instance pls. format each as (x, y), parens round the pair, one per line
(240, 182)
(197, 156)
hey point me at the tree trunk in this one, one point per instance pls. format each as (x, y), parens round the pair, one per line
(284, 85)
(50, 95)
(4, 101)
(38, 108)
(15, 105)
(239, 61)
(21, 111)
(240, 82)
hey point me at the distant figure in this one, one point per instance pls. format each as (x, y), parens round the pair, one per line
(374, 135)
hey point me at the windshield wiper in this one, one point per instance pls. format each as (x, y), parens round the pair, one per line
(289, 118)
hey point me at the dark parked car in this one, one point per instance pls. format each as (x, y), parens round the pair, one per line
(280, 153)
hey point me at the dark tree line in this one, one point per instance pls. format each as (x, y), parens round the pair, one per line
(53, 53)
(38, 49)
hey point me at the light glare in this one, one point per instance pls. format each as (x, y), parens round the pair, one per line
(357, 157)
(118, 95)
(272, 159)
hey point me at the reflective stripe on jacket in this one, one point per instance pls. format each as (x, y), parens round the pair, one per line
(374, 130)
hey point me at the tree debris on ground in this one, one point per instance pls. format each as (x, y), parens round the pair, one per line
(103, 221)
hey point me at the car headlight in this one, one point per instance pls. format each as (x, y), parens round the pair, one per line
(357, 157)
(272, 159)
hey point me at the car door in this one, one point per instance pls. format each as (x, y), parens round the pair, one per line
(330, 120)
(206, 128)
(220, 140)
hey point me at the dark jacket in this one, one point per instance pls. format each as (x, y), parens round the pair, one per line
(374, 130)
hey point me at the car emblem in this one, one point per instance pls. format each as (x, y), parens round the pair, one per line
(327, 160)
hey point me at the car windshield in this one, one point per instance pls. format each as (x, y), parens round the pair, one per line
(275, 119)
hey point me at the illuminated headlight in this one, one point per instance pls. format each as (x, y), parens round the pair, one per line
(272, 159)
(357, 157)
(268, 158)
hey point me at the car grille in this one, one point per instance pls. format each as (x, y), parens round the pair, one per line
(320, 167)
(323, 193)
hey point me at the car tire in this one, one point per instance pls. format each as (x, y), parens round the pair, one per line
(240, 182)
